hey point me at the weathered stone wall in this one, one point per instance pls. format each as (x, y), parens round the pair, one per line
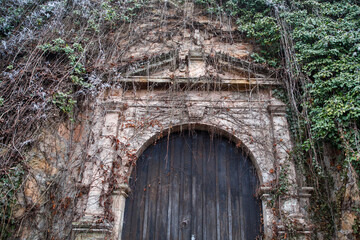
(53, 188)
(80, 170)
(131, 121)
(195, 80)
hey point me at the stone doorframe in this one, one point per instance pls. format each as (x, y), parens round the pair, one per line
(128, 122)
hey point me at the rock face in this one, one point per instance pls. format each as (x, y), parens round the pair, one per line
(196, 79)
(350, 209)
(52, 188)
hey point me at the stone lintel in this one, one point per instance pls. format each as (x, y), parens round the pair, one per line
(277, 109)
(226, 82)
(307, 189)
(305, 192)
(83, 229)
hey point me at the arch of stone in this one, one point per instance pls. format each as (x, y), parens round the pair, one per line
(202, 84)
(257, 123)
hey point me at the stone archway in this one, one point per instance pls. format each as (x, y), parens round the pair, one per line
(193, 185)
(259, 126)
(202, 83)
(257, 141)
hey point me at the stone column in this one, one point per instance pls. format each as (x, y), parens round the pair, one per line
(292, 219)
(93, 225)
(269, 219)
(119, 199)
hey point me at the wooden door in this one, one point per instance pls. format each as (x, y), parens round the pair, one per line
(191, 186)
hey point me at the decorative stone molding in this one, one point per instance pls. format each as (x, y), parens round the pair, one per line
(123, 190)
(242, 121)
(195, 112)
(305, 192)
(89, 230)
(277, 110)
(241, 108)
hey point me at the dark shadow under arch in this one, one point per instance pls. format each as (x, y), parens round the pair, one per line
(193, 185)
(212, 130)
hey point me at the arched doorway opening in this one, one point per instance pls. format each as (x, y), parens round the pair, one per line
(193, 185)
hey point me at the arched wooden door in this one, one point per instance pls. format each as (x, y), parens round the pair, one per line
(191, 186)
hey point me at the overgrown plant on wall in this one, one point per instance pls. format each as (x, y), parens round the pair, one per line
(317, 44)
(54, 54)
(49, 50)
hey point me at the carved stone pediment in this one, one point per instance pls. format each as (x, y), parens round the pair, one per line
(201, 49)
(197, 63)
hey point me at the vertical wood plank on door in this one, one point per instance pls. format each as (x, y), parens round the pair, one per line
(191, 185)
(185, 205)
(198, 189)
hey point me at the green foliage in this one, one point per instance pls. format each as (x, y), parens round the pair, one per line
(73, 53)
(64, 102)
(13, 14)
(80, 81)
(327, 43)
(325, 36)
(10, 182)
(256, 21)
(265, 31)
(282, 186)
(112, 12)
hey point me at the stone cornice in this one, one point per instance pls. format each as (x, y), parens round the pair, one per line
(202, 80)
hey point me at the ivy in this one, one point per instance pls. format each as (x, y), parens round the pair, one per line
(72, 52)
(10, 182)
(64, 102)
(327, 40)
(324, 38)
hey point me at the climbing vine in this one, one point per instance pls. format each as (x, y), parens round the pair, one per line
(56, 55)
(317, 44)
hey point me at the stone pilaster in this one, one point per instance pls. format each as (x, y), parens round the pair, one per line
(269, 219)
(90, 230)
(292, 219)
(93, 225)
(118, 208)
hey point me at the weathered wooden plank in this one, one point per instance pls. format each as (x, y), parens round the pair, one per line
(198, 188)
(185, 209)
(210, 191)
(229, 196)
(177, 146)
(215, 158)
(153, 178)
(162, 204)
(190, 186)
(242, 184)
(222, 151)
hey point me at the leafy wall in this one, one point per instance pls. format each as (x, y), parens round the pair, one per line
(57, 55)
